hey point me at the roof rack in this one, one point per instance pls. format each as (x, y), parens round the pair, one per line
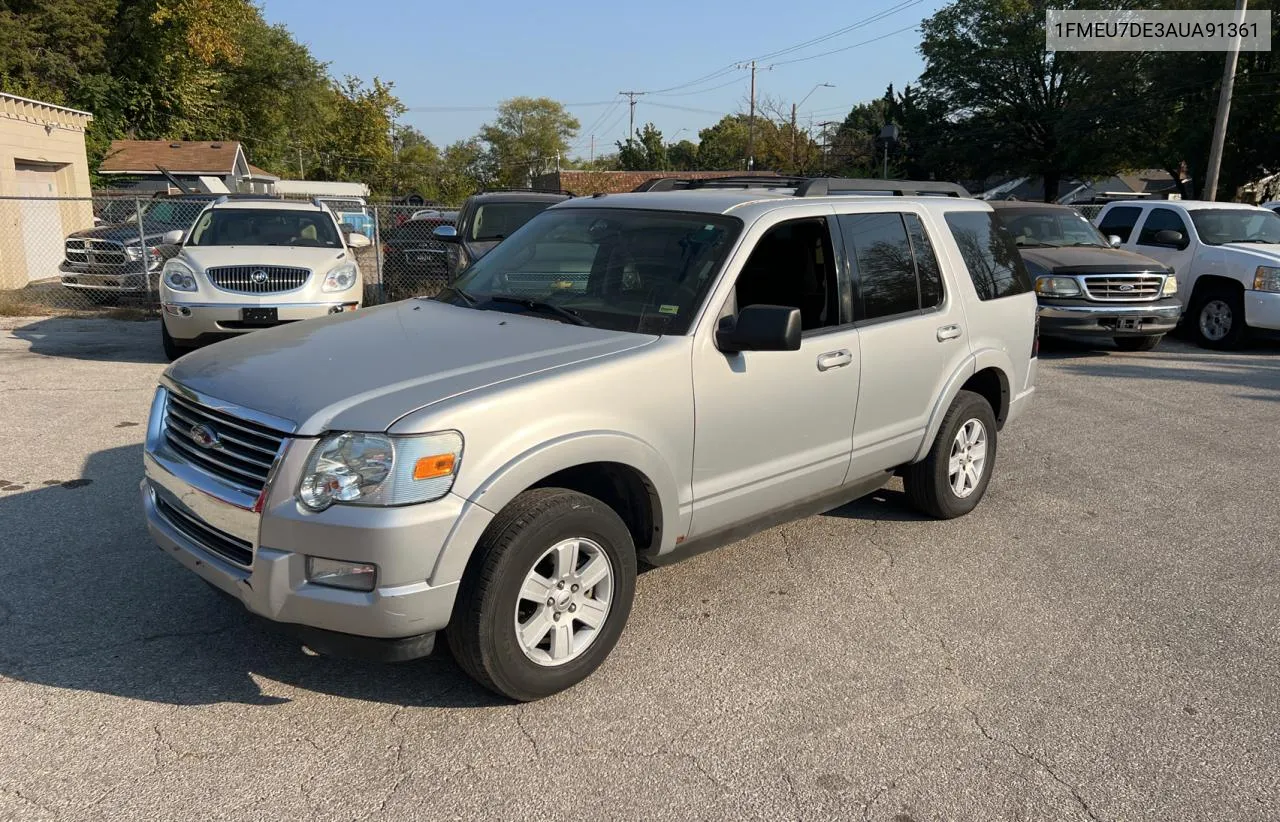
(529, 191)
(811, 186)
(740, 181)
(226, 198)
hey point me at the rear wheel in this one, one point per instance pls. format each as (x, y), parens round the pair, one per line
(952, 479)
(1217, 318)
(545, 596)
(1138, 343)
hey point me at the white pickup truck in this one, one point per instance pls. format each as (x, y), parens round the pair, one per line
(1226, 257)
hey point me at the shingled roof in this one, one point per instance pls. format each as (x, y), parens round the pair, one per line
(180, 157)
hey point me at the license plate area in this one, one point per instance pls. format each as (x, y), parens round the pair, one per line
(259, 316)
(1129, 324)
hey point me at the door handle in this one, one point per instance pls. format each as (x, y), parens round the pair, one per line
(834, 359)
(948, 332)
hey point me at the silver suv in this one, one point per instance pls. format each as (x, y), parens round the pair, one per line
(627, 379)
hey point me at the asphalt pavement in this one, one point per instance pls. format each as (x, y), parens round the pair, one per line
(1099, 640)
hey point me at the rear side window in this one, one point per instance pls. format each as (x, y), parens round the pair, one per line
(1120, 222)
(884, 272)
(1161, 219)
(989, 253)
(926, 263)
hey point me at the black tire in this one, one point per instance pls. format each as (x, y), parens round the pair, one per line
(1207, 310)
(928, 483)
(1138, 343)
(172, 348)
(482, 632)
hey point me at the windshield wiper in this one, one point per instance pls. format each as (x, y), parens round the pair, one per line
(565, 314)
(1255, 240)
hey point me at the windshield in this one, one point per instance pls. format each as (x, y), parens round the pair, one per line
(622, 269)
(1235, 225)
(246, 226)
(1050, 227)
(498, 221)
(169, 212)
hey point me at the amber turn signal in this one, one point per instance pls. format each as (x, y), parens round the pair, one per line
(440, 465)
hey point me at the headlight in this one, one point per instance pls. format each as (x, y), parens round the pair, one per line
(340, 278)
(1170, 286)
(178, 276)
(376, 469)
(1057, 287)
(1266, 278)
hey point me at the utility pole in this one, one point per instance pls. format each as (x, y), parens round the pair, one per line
(1224, 110)
(593, 148)
(631, 124)
(302, 172)
(751, 123)
(793, 136)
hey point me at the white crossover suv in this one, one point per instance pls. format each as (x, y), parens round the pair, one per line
(249, 264)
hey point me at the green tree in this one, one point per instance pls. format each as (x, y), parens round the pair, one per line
(646, 152)
(529, 137)
(683, 156)
(358, 139)
(1015, 107)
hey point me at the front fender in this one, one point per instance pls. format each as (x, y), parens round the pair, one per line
(979, 360)
(526, 469)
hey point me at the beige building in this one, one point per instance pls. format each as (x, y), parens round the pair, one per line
(42, 156)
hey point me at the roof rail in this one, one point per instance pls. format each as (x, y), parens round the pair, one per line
(829, 186)
(528, 191)
(732, 181)
(808, 186)
(226, 198)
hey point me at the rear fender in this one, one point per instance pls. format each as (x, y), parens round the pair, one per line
(978, 361)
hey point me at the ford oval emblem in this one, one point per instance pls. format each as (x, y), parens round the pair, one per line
(258, 277)
(204, 436)
(1125, 288)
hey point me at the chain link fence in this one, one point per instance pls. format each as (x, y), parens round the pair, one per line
(106, 253)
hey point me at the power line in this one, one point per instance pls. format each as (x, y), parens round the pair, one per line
(846, 48)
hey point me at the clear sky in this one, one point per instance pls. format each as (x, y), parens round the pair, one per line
(455, 55)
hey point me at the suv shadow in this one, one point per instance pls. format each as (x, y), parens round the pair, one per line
(95, 339)
(88, 603)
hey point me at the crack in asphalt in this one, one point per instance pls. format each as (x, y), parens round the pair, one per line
(795, 795)
(892, 593)
(1031, 757)
(519, 714)
(401, 773)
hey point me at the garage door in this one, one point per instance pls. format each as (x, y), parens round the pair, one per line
(41, 219)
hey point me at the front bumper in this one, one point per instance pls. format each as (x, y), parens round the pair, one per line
(1262, 309)
(183, 506)
(191, 321)
(1109, 319)
(130, 278)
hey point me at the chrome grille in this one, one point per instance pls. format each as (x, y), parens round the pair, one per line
(205, 535)
(242, 454)
(257, 279)
(1124, 287)
(88, 252)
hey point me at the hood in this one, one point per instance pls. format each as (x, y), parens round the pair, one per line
(319, 260)
(1265, 254)
(364, 370)
(1089, 258)
(124, 232)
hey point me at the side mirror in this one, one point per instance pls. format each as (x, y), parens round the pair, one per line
(1170, 237)
(1113, 241)
(357, 240)
(760, 328)
(445, 233)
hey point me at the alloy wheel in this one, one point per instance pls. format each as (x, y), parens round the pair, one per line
(968, 458)
(564, 601)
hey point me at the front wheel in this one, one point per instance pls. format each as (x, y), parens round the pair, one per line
(172, 348)
(545, 596)
(1218, 319)
(1138, 343)
(952, 479)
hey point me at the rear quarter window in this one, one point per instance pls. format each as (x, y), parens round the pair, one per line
(989, 254)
